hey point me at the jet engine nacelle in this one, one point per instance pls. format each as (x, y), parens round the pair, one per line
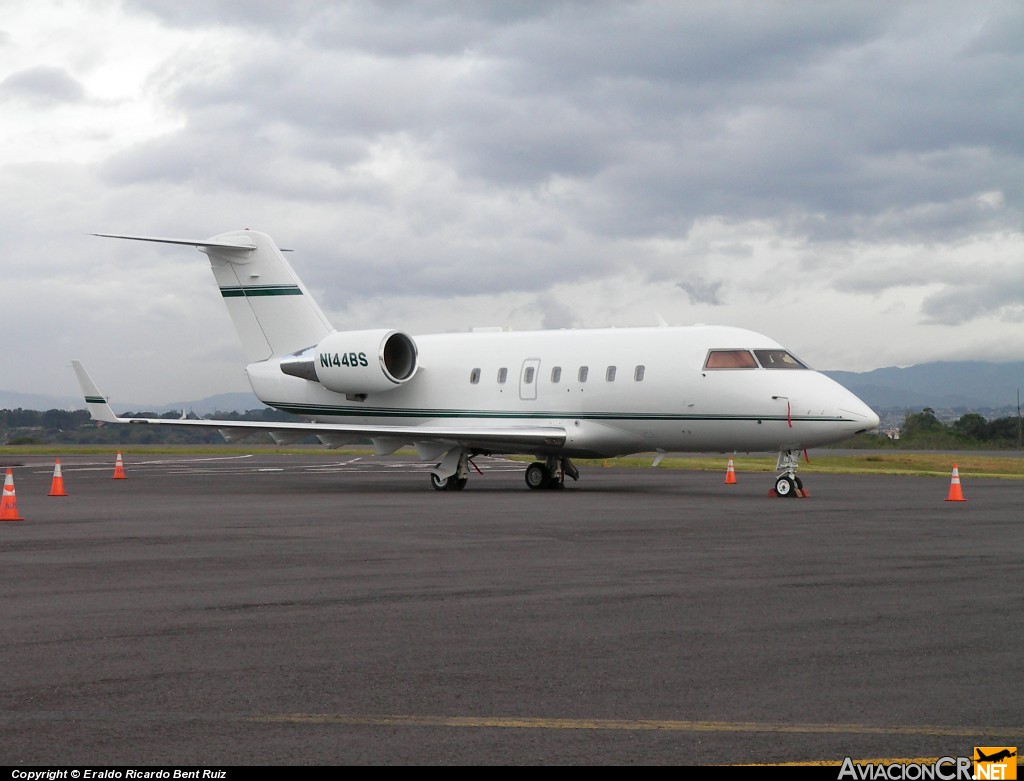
(357, 362)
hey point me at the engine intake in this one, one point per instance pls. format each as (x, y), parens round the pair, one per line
(356, 362)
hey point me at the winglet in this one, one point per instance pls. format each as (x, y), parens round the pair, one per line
(95, 401)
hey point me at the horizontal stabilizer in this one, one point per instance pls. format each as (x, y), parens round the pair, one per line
(271, 309)
(242, 242)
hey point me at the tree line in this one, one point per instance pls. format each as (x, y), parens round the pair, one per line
(924, 431)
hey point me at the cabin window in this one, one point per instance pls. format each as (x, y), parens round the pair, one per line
(584, 371)
(474, 376)
(556, 374)
(609, 374)
(528, 375)
(502, 375)
(730, 359)
(777, 359)
(638, 373)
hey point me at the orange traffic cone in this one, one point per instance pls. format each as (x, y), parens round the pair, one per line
(118, 468)
(955, 493)
(9, 504)
(57, 485)
(730, 474)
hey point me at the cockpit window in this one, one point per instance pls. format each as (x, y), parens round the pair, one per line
(730, 359)
(777, 359)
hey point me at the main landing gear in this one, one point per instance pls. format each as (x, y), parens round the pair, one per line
(448, 483)
(550, 473)
(452, 473)
(788, 484)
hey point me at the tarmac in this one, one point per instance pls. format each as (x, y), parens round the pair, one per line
(333, 609)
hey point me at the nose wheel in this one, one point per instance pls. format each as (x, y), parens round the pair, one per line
(788, 484)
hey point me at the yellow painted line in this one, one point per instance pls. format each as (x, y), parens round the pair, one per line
(635, 725)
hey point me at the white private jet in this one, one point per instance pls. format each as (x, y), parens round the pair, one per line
(556, 395)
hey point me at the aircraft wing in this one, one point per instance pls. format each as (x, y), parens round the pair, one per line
(430, 441)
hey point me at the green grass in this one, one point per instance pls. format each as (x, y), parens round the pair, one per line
(930, 464)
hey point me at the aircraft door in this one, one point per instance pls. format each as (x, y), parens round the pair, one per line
(528, 377)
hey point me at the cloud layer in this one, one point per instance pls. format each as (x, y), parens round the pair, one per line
(845, 177)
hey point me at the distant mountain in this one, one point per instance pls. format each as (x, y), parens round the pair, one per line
(222, 402)
(971, 385)
(38, 401)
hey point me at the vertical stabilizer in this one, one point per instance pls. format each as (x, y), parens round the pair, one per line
(270, 307)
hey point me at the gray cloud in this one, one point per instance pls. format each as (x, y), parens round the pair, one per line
(855, 122)
(554, 312)
(443, 152)
(700, 291)
(1001, 298)
(42, 84)
(816, 119)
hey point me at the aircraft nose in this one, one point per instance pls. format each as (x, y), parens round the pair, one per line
(863, 416)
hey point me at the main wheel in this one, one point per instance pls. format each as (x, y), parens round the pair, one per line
(537, 476)
(439, 483)
(785, 486)
(457, 483)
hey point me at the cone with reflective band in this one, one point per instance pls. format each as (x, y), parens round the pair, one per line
(118, 468)
(956, 494)
(9, 504)
(730, 474)
(57, 484)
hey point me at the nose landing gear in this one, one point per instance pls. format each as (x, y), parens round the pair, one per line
(788, 484)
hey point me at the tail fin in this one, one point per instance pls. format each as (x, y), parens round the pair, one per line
(272, 311)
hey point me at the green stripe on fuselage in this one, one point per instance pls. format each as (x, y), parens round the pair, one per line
(260, 290)
(399, 412)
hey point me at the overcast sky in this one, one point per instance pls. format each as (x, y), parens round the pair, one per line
(847, 178)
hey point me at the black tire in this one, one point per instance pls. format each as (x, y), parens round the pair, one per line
(785, 486)
(457, 484)
(537, 476)
(439, 483)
